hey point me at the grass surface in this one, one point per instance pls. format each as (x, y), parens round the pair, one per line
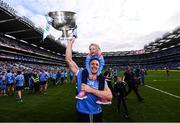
(59, 104)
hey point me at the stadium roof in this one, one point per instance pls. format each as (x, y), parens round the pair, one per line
(21, 28)
(169, 40)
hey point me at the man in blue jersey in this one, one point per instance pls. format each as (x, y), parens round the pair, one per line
(19, 85)
(62, 77)
(43, 78)
(3, 84)
(71, 76)
(53, 77)
(10, 82)
(88, 110)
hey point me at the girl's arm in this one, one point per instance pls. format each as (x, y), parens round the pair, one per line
(101, 62)
(88, 58)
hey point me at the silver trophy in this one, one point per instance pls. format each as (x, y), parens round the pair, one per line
(64, 21)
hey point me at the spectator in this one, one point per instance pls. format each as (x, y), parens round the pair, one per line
(19, 85)
(120, 92)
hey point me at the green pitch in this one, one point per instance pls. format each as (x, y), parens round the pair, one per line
(59, 104)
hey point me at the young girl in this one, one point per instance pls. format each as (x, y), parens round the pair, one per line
(94, 53)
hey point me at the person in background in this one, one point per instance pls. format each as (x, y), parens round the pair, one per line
(19, 81)
(129, 78)
(58, 77)
(120, 92)
(31, 84)
(35, 80)
(10, 79)
(62, 77)
(53, 76)
(167, 71)
(43, 78)
(3, 84)
(65, 76)
(142, 72)
(108, 77)
(71, 76)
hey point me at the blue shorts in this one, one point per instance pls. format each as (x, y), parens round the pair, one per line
(18, 88)
(10, 84)
(3, 87)
(43, 82)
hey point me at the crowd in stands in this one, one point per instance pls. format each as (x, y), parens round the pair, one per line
(21, 46)
(11, 49)
(157, 60)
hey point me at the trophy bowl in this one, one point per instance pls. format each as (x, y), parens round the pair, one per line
(63, 21)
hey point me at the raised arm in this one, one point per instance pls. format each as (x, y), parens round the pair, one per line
(101, 60)
(72, 65)
(88, 57)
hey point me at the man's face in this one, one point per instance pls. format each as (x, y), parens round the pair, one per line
(94, 66)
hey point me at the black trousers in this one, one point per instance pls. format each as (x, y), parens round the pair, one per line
(132, 86)
(122, 99)
(81, 117)
(36, 87)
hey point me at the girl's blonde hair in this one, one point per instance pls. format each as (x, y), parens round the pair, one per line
(96, 46)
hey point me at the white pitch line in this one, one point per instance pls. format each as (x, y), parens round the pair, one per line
(163, 91)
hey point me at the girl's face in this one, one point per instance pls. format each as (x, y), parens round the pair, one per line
(92, 49)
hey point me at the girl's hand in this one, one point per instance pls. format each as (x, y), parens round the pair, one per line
(92, 77)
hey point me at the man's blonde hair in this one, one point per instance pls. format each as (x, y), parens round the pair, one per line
(96, 46)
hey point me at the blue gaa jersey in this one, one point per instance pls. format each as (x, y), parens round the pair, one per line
(53, 75)
(19, 80)
(43, 76)
(10, 78)
(63, 74)
(88, 105)
(1, 81)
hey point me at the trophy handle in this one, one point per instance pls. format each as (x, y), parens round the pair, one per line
(74, 32)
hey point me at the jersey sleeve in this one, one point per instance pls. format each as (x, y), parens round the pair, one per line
(101, 65)
(88, 57)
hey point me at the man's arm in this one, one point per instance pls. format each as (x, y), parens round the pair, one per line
(72, 65)
(104, 94)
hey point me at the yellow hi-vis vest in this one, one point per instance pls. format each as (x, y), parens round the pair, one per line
(35, 79)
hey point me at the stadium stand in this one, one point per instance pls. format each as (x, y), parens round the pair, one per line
(21, 41)
(163, 52)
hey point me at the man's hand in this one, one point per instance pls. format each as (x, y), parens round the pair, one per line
(104, 94)
(86, 88)
(71, 40)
